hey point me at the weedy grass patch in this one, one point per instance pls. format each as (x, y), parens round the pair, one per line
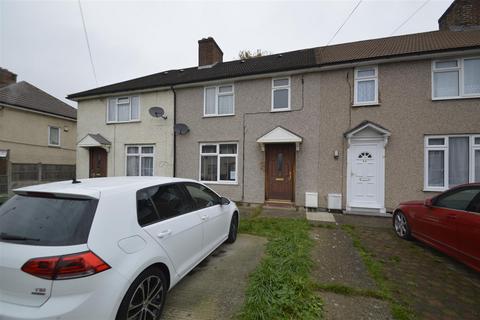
(281, 287)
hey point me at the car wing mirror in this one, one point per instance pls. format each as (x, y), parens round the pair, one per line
(224, 201)
(428, 202)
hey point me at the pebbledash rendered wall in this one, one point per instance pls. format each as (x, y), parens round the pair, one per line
(252, 109)
(92, 115)
(321, 113)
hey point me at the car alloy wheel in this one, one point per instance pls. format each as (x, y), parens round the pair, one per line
(401, 225)
(146, 302)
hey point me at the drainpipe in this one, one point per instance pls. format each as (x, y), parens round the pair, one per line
(174, 135)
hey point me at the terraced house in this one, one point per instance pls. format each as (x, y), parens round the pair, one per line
(357, 126)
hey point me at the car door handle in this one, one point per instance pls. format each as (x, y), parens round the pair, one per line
(204, 217)
(452, 216)
(164, 233)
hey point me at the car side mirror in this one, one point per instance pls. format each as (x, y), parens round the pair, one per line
(224, 201)
(428, 202)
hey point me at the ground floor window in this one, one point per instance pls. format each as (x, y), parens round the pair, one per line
(451, 160)
(139, 160)
(218, 162)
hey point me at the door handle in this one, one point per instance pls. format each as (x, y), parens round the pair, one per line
(204, 217)
(452, 216)
(164, 234)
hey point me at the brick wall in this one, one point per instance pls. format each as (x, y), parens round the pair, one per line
(461, 15)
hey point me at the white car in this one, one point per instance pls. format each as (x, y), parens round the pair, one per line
(105, 248)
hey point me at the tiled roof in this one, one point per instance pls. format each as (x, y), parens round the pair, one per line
(100, 139)
(412, 44)
(23, 94)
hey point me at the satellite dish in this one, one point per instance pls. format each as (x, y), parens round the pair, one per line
(181, 128)
(157, 112)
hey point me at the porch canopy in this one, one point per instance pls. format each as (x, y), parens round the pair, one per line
(280, 135)
(94, 140)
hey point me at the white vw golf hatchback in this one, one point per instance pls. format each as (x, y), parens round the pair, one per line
(106, 248)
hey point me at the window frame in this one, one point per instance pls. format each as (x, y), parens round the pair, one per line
(217, 95)
(275, 88)
(180, 187)
(445, 148)
(140, 155)
(218, 155)
(461, 78)
(358, 79)
(129, 109)
(49, 136)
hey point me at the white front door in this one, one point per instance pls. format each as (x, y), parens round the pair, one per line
(366, 175)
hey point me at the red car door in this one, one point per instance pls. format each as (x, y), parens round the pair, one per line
(468, 224)
(441, 220)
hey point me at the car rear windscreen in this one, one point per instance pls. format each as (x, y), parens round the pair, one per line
(46, 221)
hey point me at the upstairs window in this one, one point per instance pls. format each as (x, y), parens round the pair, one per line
(54, 136)
(451, 160)
(366, 86)
(123, 109)
(456, 78)
(219, 101)
(281, 94)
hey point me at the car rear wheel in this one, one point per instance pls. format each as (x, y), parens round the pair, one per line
(232, 234)
(400, 224)
(145, 298)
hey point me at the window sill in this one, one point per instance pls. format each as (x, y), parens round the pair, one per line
(54, 146)
(371, 104)
(434, 190)
(280, 110)
(121, 122)
(218, 115)
(226, 183)
(456, 98)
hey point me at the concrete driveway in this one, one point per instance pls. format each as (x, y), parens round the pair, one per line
(215, 289)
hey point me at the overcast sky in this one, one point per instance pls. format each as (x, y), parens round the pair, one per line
(44, 42)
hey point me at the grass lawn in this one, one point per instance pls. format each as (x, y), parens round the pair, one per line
(281, 287)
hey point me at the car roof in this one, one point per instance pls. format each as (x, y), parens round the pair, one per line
(92, 188)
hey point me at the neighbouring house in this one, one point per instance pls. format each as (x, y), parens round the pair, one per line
(357, 126)
(37, 135)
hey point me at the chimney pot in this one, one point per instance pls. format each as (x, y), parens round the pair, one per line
(209, 52)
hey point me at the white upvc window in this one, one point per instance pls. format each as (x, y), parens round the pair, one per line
(366, 86)
(53, 136)
(139, 160)
(219, 101)
(123, 109)
(456, 78)
(218, 162)
(281, 94)
(450, 161)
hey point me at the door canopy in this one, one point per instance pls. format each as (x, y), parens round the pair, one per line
(280, 135)
(366, 131)
(95, 140)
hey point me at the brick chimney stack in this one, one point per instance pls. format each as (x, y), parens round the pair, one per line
(7, 77)
(209, 52)
(462, 15)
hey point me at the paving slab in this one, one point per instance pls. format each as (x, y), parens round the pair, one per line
(340, 307)
(215, 289)
(336, 261)
(320, 216)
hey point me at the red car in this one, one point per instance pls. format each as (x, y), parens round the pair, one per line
(449, 222)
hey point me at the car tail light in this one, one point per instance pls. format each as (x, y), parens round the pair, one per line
(70, 266)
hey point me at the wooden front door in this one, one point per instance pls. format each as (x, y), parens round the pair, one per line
(98, 162)
(279, 171)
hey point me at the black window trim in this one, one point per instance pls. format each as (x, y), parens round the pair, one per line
(452, 191)
(159, 218)
(202, 185)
